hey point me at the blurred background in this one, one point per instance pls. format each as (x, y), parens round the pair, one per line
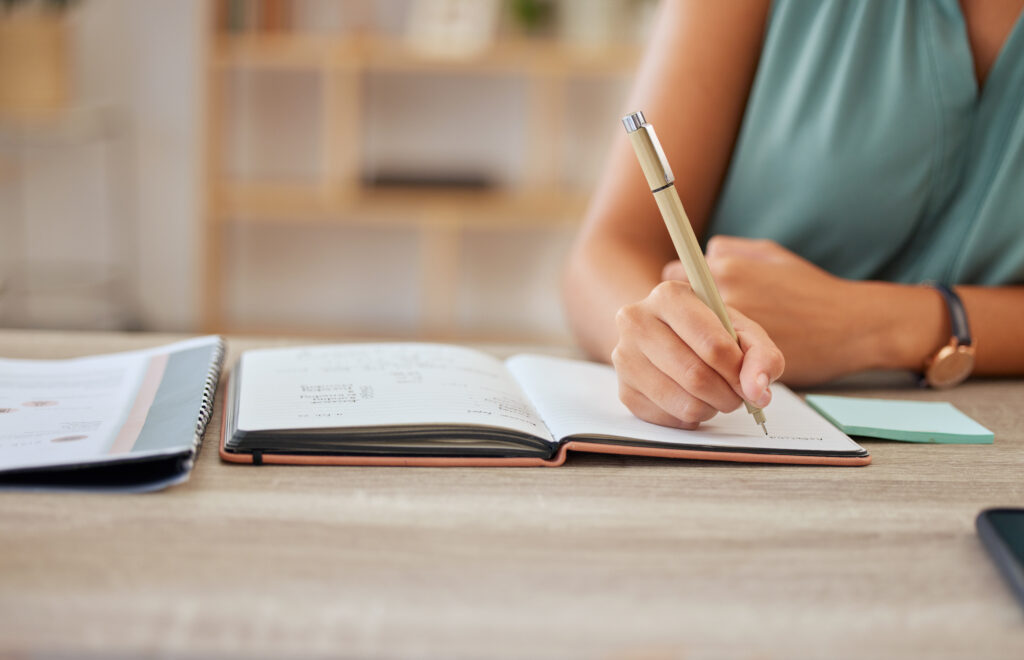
(390, 168)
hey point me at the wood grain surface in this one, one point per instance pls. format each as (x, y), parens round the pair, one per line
(605, 557)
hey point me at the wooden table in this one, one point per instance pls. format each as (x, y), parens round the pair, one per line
(606, 556)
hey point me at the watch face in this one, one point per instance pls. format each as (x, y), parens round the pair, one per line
(951, 366)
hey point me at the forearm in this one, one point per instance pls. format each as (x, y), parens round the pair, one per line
(905, 325)
(601, 276)
(996, 316)
(693, 82)
(828, 326)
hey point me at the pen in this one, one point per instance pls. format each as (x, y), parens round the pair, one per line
(662, 182)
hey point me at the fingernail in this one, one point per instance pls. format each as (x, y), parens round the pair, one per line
(762, 381)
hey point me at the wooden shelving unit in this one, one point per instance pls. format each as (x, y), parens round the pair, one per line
(342, 64)
(379, 53)
(398, 206)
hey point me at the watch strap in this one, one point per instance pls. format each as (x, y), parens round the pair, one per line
(957, 313)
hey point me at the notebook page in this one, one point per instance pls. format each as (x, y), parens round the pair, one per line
(82, 410)
(365, 385)
(581, 398)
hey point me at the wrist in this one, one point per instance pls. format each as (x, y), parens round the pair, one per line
(904, 325)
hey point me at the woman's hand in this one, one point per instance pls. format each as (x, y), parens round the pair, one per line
(817, 320)
(678, 366)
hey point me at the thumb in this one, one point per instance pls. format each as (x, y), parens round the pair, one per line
(763, 362)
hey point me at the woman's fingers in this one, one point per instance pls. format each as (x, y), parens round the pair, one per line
(750, 249)
(643, 385)
(637, 373)
(763, 362)
(674, 270)
(678, 366)
(697, 326)
(679, 363)
(647, 410)
(654, 361)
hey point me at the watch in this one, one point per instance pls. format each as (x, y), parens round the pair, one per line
(953, 363)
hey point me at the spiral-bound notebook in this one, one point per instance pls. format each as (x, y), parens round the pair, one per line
(124, 421)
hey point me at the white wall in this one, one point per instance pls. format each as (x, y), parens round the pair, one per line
(165, 49)
(144, 56)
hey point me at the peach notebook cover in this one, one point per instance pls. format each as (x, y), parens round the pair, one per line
(406, 404)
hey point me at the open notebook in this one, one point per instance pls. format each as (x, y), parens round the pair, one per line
(433, 404)
(123, 421)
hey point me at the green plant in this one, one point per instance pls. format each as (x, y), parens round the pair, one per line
(532, 15)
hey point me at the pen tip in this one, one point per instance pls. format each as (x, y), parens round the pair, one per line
(764, 428)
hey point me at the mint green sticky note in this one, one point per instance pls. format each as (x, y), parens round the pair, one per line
(911, 421)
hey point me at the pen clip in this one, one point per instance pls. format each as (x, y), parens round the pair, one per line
(655, 164)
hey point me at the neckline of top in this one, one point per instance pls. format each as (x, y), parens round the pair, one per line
(1003, 60)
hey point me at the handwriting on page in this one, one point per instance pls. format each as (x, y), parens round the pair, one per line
(329, 395)
(375, 384)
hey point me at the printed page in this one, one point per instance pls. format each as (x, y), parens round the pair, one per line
(581, 398)
(56, 412)
(366, 385)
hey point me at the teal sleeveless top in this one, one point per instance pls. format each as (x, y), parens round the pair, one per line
(867, 148)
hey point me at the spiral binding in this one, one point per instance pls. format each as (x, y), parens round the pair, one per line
(209, 391)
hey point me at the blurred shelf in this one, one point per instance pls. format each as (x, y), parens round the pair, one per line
(68, 126)
(383, 54)
(284, 51)
(337, 196)
(498, 208)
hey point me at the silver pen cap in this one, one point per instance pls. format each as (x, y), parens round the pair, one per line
(634, 121)
(648, 151)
